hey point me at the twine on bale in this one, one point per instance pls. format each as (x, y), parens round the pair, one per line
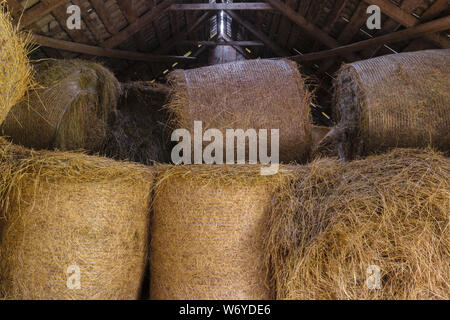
(207, 232)
(59, 210)
(336, 219)
(15, 69)
(68, 111)
(256, 94)
(399, 100)
(139, 131)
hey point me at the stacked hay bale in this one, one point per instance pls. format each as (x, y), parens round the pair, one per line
(399, 100)
(207, 232)
(63, 213)
(68, 111)
(15, 70)
(138, 132)
(338, 224)
(255, 94)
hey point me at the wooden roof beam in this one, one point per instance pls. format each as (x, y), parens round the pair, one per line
(103, 52)
(38, 11)
(137, 25)
(220, 6)
(407, 20)
(306, 25)
(410, 33)
(258, 34)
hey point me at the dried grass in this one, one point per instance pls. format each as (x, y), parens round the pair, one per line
(207, 231)
(62, 209)
(337, 219)
(139, 130)
(256, 94)
(68, 111)
(399, 100)
(15, 69)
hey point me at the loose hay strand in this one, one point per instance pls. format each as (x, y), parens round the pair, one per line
(336, 219)
(16, 76)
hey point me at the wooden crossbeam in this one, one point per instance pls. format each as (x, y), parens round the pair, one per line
(410, 33)
(218, 43)
(103, 52)
(404, 18)
(258, 34)
(220, 6)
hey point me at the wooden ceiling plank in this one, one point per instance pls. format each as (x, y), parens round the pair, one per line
(129, 11)
(406, 34)
(103, 14)
(406, 19)
(136, 26)
(103, 52)
(258, 34)
(38, 11)
(60, 15)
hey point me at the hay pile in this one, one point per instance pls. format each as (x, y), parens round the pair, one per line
(15, 70)
(63, 209)
(69, 111)
(207, 232)
(257, 94)
(338, 219)
(138, 132)
(400, 100)
(322, 145)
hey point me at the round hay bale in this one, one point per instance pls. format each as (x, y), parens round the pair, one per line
(138, 133)
(254, 94)
(338, 222)
(15, 70)
(399, 100)
(69, 111)
(65, 210)
(207, 232)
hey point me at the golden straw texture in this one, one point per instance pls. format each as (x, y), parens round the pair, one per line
(65, 209)
(256, 94)
(400, 100)
(68, 111)
(336, 220)
(207, 232)
(15, 70)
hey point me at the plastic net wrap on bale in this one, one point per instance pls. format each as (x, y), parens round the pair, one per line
(15, 70)
(207, 232)
(64, 215)
(339, 224)
(400, 100)
(256, 94)
(139, 131)
(68, 111)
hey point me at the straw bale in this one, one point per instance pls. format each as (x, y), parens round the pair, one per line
(64, 209)
(336, 219)
(139, 131)
(68, 111)
(399, 100)
(15, 70)
(207, 232)
(257, 94)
